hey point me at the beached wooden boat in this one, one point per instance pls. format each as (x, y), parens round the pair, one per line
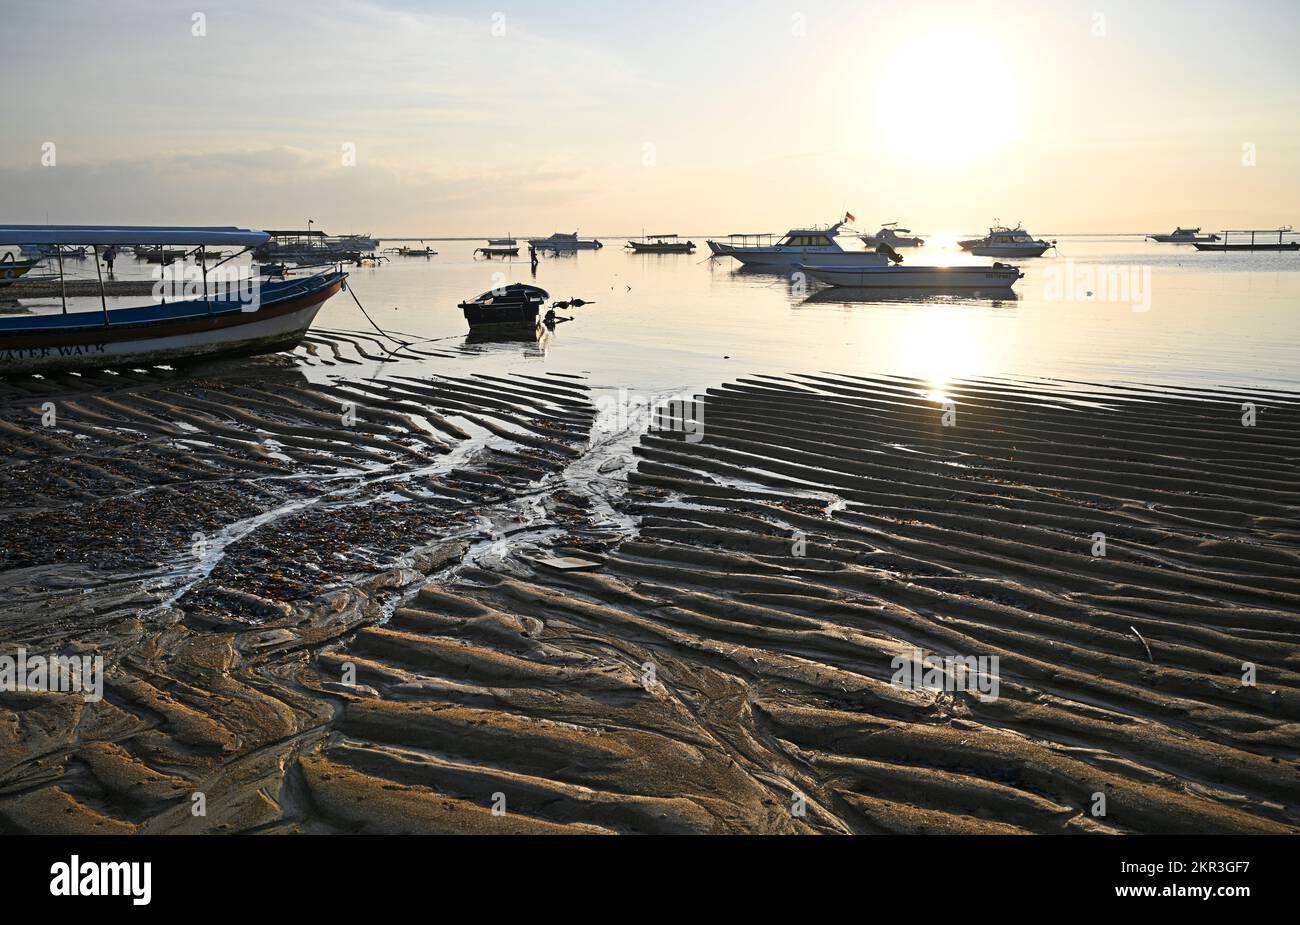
(1253, 244)
(513, 306)
(259, 317)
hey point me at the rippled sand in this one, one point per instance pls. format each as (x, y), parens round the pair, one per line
(727, 666)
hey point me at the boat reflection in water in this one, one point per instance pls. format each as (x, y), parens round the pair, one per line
(529, 342)
(840, 295)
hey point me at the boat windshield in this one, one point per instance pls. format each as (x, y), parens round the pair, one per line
(796, 239)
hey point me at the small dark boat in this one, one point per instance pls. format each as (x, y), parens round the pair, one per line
(661, 244)
(498, 251)
(514, 306)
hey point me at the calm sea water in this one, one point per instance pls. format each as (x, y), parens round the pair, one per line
(1105, 309)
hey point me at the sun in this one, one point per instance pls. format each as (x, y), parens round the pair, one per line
(947, 98)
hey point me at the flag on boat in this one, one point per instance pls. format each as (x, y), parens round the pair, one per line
(850, 217)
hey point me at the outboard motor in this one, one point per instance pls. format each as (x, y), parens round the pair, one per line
(886, 250)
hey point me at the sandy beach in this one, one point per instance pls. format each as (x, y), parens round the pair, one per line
(321, 606)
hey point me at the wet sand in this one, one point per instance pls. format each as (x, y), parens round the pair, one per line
(705, 677)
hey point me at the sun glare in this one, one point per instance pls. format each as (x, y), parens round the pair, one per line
(947, 99)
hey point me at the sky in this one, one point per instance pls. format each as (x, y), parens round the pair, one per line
(424, 118)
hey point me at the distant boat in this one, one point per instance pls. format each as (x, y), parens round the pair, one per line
(50, 250)
(498, 250)
(897, 276)
(565, 242)
(1183, 236)
(821, 246)
(413, 251)
(501, 242)
(514, 306)
(159, 254)
(1002, 241)
(661, 244)
(1253, 244)
(359, 242)
(217, 324)
(11, 269)
(892, 235)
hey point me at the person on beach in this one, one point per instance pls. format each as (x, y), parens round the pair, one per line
(110, 254)
(532, 258)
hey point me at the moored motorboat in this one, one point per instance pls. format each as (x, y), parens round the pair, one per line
(514, 306)
(897, 276)
(565, 242)
(1002, 241)
(1183, 236)
(245, 318)
(892, 235)
(810, 246)
(661, 244)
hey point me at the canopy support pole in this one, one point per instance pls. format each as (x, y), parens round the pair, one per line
(63, 282)
(103, 302)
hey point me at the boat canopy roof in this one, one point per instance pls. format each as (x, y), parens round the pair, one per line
(131, 234)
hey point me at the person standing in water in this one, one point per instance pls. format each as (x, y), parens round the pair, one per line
(110, 254)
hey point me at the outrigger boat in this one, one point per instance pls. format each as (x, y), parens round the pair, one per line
(1002, 241)
(1252, 244)
(251, 318)
(661, 244)
(1183, 236)
(11, 269)
(562, 241)
(892, 235)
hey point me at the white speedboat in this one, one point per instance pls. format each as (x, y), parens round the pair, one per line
(897, 276)
(892, 235)
(1183, 236)
(811, 246)
(562, 241)
(1006, 242)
